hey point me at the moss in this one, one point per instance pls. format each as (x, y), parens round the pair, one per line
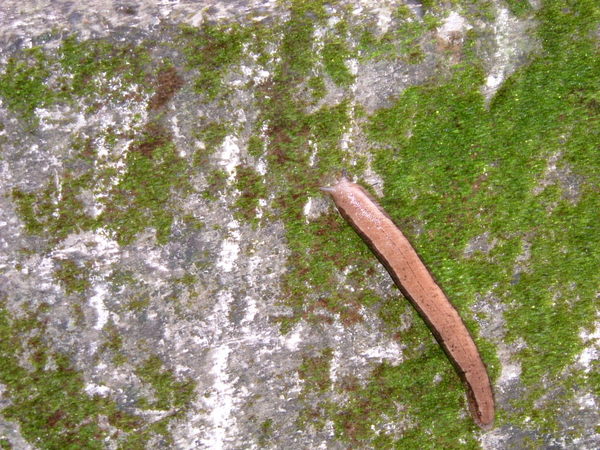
(368, 298)
(23, 83)
(297, 44)
(189, 279)
(255, 146)
(211, 50)
(335, 54)
(168, 82)
(55, 211)
(35, 78)
(544, 105)
(27, 209)
(168, 391)
(315, 252)
(92, 63)
(49, 403)
(412, 385)
(113, 339)
(157, 432)
(314, 370)
(459, 170)
(120, 278)
(212, 136)
(138, 303)
(402, 40)
(519, 8)
(141, 198)
(266, 431)
(317, 88)
(293, 135)
(192, 222)
(390, 311)
(217, 182)
(72, 276)
(252, 189)
(113, 343)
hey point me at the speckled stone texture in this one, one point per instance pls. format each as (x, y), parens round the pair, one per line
(145, 249)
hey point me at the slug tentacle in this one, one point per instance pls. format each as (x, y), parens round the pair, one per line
(327, 189)
(415, 281)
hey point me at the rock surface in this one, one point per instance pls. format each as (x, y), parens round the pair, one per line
(171, 277)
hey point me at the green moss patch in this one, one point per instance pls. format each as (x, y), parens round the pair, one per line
(456, 170)
(402, 40)
(48, 400)
(252, 189)
(314, 370)
(92, 64)
(324, 246)
(141, 198)
(211, 50)
(23, 83)
(37, 78)
(72, 276)
(168, 391)
(424, 387)
(56, 211)
(336, 54)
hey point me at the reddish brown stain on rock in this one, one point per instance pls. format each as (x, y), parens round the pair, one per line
(168, 82)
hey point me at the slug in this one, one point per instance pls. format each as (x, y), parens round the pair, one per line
(415, 281)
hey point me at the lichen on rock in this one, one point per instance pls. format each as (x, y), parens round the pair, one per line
(170, 276)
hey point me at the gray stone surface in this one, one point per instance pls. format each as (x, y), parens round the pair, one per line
(208, 301)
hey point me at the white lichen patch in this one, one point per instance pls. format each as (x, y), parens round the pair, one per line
(453, 27)
(256, 74)
(315, 207)
(558, 172)
(293, 340)
(230, 248)
(360, 347)
(390, 352)
(220, 398)
(102, 252)
(513, 42)
(226, 343)
(177, 134)
(96, 389)
(307, 208)
(591, 353)
(493, 327)
(97, 302)
(10, 433)
(481, 243)
(510, 371)
(229, 156)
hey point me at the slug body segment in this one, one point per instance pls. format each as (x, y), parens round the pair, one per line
(409, 273)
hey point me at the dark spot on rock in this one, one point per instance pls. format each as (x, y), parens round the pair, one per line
(155, 136)
(516, 278)
(127, 9)
(168, 82)
(55, 418)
